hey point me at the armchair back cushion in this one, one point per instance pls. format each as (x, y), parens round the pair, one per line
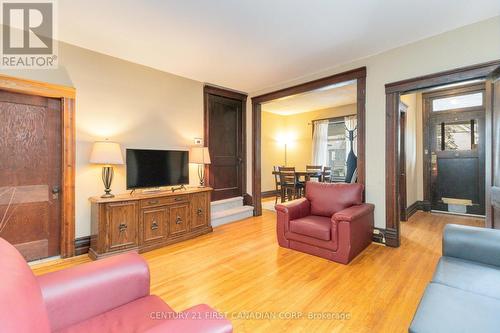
(327, 199)
(22, 308)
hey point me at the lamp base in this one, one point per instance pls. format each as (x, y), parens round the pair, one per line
(201, 175)
(107, 178)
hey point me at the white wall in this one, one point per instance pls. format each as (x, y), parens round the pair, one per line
(137, 106)
(473, 44)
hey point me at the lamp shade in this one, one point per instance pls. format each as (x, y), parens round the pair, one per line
(199, 155)
(106, 152)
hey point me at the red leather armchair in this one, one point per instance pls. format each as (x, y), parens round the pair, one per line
(111, 295)
(331, 222)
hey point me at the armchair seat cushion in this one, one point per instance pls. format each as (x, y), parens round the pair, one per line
(137, 316)
(318, 227)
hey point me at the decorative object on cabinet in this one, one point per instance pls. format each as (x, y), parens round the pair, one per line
(142, 222)
(108, 154)
(200, 156)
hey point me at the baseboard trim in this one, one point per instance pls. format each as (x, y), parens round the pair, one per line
(416, 206)
(82, 245)
(413, 208)
(268, 194)
(391, 237)
(247, 199)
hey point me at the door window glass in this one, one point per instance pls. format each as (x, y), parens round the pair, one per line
(457, 136)
(457, 102)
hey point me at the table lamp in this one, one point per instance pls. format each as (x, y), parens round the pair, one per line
(108, 154)
(200, 156)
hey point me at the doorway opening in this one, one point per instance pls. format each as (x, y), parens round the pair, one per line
(280, 144)
(443, 150)
(459, 109)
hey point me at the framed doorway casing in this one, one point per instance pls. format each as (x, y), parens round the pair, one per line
(67, 96)
(358, 74)
(394, 150)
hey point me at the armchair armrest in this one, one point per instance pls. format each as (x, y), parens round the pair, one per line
(295, 209)
(84, 291)
(354, 212)
(472, 243)
(198, 319)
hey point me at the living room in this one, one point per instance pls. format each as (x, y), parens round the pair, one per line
(119, 91)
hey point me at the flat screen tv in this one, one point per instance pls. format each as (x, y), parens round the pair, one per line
(155, 168)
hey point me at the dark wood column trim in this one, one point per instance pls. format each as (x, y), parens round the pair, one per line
(67, 96)
(358, 74)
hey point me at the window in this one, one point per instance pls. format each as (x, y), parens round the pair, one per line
(457, 136)
(457, 102)
(337, 149)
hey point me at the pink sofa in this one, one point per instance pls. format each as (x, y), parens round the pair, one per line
(330, 222)
(111, 295)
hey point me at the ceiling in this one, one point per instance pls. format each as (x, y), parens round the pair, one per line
(249, 45)
(331, 96)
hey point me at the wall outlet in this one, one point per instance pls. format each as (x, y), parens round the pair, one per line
(198, 141)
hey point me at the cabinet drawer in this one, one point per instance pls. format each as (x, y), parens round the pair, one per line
(200, 210)
(122, 218)
(178, 219)
(155, 202)
(153, 225)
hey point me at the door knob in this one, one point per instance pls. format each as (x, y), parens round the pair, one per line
(55, 192)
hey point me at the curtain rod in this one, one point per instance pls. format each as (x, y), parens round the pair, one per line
(332, 119)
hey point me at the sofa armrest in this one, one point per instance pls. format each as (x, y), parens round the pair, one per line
(472, 243)
(198, 319)
(295, 209)
(354, 212)
(82, 292)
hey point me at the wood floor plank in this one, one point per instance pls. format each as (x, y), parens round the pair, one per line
(241, 270)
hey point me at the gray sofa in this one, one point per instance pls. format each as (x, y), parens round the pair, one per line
(464, 294)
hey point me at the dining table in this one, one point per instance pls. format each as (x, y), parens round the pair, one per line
(307, 175)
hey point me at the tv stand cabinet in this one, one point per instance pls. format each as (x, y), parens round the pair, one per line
(146, 221)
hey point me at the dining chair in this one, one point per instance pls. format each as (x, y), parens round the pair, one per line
(277, 184)
(327, 174)
(291, 188)
(315, 168)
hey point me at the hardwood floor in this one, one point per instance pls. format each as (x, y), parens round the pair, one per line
(240, 269)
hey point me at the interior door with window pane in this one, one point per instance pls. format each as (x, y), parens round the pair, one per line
(457, 153)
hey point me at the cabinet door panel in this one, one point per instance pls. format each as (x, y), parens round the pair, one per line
(153, 225)
(200, 212)
(122, 225)
(178, 216)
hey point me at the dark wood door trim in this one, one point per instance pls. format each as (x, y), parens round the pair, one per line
(67, 96)
(219, 91)
(392, 153)
(358, 74)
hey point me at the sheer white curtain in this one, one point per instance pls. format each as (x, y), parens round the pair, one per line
(351, 122)
(320, 143)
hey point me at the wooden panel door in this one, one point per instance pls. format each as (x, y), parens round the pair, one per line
(178, 217)
(122, 225)
(30, 173)
(153, 224)
(225, 143)
(200, 210)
